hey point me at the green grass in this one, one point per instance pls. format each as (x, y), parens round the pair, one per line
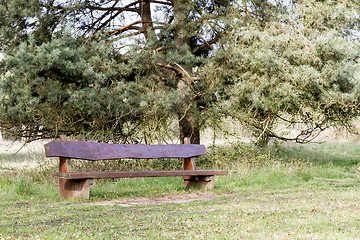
(137, 187)
(342, 154)
(286, 192)
(257, 214)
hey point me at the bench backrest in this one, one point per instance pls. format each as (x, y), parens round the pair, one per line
(103, 151)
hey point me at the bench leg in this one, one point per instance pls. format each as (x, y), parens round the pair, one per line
(71, 188)
(199, 182)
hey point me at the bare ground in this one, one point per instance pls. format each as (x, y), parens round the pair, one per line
(176, 198)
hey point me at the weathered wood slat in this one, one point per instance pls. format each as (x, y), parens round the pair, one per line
(135, 174)
(102, 151)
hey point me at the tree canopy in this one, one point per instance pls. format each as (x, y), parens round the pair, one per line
(127, 70)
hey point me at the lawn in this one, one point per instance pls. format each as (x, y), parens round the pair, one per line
(292, 192)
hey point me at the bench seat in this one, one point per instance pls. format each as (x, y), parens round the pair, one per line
(77, 184)
(135, 174)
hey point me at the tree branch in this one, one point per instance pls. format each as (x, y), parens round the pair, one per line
(161, 2)
(206, 45)
(133, 33)
(120, 9)
(168, 66)
(108, 20)
(220, 3)
(129, 27)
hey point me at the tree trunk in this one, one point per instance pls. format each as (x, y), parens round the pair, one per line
(189, 127)
(145, 13)
(188, 121)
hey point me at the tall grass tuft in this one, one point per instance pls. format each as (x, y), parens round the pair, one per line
(25, 187)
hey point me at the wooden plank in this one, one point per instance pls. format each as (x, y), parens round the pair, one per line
(63, 167)
(102, 151)
(135, 174)
(189, 163)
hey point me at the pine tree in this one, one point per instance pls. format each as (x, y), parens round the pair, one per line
(299, 68)
(118, 68)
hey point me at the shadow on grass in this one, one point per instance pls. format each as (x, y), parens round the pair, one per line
(104, 189)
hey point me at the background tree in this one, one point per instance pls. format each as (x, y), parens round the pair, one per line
(300, 68)
(161, 62)
(109, 67)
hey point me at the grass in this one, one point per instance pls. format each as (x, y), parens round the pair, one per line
(341, 154)
(256, 214)
(284, 192)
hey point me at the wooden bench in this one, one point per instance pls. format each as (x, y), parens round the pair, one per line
(77, 184)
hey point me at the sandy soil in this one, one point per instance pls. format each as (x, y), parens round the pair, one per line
(177, 198)
(12, 147)
(16, 155)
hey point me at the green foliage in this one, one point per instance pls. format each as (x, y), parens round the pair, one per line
(236, 155)
(68, 86)
(297, 68)
(84, 68)
(15, 19)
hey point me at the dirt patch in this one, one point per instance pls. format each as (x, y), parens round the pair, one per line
(177, 198)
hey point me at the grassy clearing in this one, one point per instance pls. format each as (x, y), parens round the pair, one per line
(250, 214)
(284, 192)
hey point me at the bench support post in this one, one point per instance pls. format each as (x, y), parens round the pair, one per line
(69, 188)
(75, 188)
(72, 187)
(63, 167)
(199, 182)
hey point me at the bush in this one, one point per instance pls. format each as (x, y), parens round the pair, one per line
(235, 155)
